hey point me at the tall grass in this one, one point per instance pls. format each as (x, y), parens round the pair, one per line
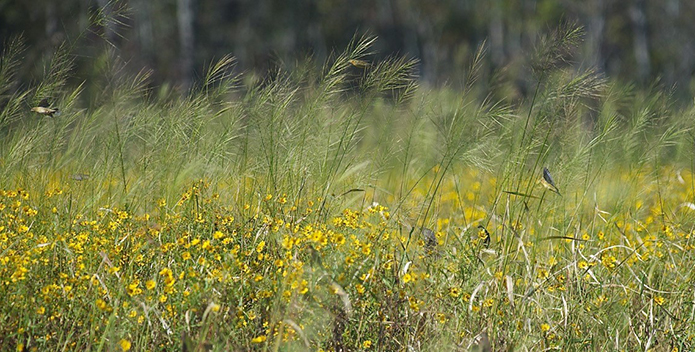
(344, 208)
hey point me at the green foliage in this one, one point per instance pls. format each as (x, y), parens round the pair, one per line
(346, 209)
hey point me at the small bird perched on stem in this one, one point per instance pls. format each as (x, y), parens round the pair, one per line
(359, 63)
(485, 235)
(430, 239)
(45, 108)
(548, 182)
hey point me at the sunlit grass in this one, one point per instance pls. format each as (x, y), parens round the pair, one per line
(276, 272)
(347, 209)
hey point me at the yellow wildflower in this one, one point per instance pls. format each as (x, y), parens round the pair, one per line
(125, 345)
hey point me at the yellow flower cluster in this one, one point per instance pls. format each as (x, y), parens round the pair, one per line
(288, 271)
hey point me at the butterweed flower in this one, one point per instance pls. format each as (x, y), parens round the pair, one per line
(125, 345)
(407, 278)
(133, 289)
(659, 300)
(101, 304)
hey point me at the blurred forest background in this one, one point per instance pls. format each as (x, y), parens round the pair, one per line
(636, 41)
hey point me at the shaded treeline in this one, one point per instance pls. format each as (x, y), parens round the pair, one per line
(635, 40)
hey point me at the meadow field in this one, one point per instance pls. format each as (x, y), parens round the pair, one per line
(345, 209)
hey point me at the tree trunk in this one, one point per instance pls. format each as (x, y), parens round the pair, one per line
(143, 19)
(186, 42)
(640, 41)
(596, 22)
(496, 30)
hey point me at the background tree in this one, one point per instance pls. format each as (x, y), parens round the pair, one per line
(643, 39)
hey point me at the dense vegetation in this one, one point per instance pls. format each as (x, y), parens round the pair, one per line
(637, 41)
(345, 209)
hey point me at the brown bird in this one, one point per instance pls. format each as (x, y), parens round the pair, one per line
(430, 238)
(481, 343)
(359, 63)
(45, 108)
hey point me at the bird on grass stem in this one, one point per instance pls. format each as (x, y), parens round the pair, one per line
(45, 108)
(548, 181)
(359, 63)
